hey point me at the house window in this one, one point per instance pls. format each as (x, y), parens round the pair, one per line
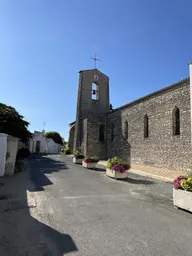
(126, 130)
(176, 121)
(146, 126)
(112, 132)
(101, 132)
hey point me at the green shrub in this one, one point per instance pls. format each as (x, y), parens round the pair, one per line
(116, 161)
(78, 154)
(91, 159)
(67, 151)
(94, 159)
(183, 182)
(186, 184)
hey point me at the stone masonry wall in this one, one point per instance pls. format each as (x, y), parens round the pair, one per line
(71, 138)
(161, 148)
(84, 142)
(86, 105)
(94, 146)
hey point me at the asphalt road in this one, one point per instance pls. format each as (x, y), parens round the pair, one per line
(86, 213)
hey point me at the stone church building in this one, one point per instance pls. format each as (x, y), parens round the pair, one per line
(154, 130)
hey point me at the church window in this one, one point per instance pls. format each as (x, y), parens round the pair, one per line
(176, 121)
(146, 126)
(101, 132)
(81, 132)
(126, 130)
(95, 91)
(112, 132)
(96, 77)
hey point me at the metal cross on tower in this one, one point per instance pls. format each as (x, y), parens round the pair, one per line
(95, 60)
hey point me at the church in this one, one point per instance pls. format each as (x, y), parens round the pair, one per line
(155, 130)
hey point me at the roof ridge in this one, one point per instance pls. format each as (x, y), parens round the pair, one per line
(181, 82)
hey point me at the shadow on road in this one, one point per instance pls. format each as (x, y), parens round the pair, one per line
(41, 165)
(21, 232)
(139, 181)
(98, 169)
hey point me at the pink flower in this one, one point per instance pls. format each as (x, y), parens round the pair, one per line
(120, 167)
(176, 182)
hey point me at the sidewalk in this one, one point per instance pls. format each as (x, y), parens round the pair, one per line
(148, 171)
(14, 191)
(152, 172)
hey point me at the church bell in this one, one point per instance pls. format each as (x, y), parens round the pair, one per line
(94, 92)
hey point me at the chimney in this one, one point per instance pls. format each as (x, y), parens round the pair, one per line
(190, 76)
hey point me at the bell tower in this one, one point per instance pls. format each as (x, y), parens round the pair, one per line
(93, 93)
(92, 106)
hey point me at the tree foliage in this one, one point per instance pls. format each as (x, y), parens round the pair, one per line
(55, 136)
(12, 123)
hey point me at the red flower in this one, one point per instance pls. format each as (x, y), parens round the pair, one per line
(87, 160)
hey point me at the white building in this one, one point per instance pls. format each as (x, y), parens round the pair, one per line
(38, 143)
(8, 152)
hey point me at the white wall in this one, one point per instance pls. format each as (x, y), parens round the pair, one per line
(46, 145)
(8, 144)
(3, 151)
(21, 144)
(12, 144)
(37, 136)
(52, 147)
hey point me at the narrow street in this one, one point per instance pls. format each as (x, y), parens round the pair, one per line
(107, 217)
(83, 212)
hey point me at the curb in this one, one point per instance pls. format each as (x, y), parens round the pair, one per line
(151, 175)
(145, 174)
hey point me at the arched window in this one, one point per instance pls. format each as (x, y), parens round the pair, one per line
(95, 91)
(176, 121)
(126, 130)
(101, 132)
(146, 126)
(112, 132)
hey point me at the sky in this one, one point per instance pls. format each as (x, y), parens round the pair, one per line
(143, 46)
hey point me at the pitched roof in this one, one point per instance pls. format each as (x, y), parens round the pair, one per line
(72, 123)
(94, 69)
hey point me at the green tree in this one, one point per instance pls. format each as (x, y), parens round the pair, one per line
(55, 136)
(12, 123)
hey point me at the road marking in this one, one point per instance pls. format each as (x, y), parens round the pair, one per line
(91, 196)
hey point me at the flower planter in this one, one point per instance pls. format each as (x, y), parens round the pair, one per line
(89, 165)
(116, 174)
(182, 199)
(77, 160)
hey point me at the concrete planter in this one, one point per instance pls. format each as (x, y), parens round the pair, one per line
(77, 160)
(89, 165)
(115, 174)
(182, 199)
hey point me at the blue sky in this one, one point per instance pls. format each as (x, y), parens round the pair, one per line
(143, 45)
